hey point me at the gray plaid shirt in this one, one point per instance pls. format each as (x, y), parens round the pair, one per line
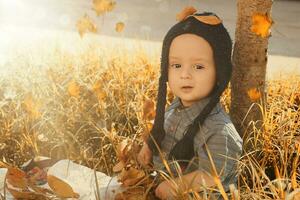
(218, 132)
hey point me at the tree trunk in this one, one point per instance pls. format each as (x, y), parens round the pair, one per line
(249, 65)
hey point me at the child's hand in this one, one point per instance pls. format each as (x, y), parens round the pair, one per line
(145, 155)
(165, 190)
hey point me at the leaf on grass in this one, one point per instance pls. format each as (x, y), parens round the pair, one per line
(103, 6)
(32, 106)
(189, 10)
(122, 149)
(131, 176)
(3, 165)
(85, 24)
(119, 166)
(61, 188)
(120, 27)
(97, 89)
(261, 24)
(16, 178)
(148, 110)
(254, 94)
(74, 89)
(17, 194)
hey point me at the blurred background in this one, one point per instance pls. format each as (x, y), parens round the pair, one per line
(26, 23)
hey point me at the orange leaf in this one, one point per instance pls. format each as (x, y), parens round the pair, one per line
(148, 110)
(85, 24)
(212, 20)
(61, 188)
(261, 24)
(18, 194)
(120, 27)
(31, 106)
(254, 94)
(16, 178)
(103, 6)
(74, 89)
(189, 10)
(122, 149)
(118, 167)
(131, 176)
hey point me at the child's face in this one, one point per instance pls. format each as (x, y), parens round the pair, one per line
(191, 73)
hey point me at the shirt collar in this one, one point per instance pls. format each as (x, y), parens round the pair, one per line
(193, 111)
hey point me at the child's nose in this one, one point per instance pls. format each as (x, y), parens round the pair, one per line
(185, 72)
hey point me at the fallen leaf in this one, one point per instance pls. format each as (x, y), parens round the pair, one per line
(131, 176)
(261, 24)
(74, 89)
(189, 10)
(23, 194)
(122, 149)
(119, 166)
(120, 27)
(61, 188)
(254, 94)
(3, 165)
(103, 6)
(16, 178)
(85, 24)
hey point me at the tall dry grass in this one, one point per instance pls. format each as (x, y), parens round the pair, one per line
(69, 106)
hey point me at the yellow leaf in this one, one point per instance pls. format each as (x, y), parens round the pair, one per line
(85, 24)
(254, 94)
(61, 188)
(103, 6)
(189, 10)
(120, 27)
(31, 106)
(261, 24)
(74, 89)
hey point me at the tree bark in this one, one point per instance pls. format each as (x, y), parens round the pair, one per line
(249, 65)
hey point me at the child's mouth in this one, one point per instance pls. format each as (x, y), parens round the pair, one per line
(186, 88)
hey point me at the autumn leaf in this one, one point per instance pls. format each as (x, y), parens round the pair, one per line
(18, 194)
(254, 94)
(122, 149)
(3, 165)
(16, 178)
(32, 106)
(189, 10)
(85, 24)
(119, 166)
(211, 19)
(120, 27)
(261, 24)
(148, 110)
(103, 6)
(61, 188)
(97, 89)
(74, 89)
(131, 176)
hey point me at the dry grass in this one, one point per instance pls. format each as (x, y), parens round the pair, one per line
(73, 106)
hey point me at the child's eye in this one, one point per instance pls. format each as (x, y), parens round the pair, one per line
(198, 66)
(176, 65)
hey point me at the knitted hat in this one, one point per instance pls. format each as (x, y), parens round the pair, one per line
(208, 26)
